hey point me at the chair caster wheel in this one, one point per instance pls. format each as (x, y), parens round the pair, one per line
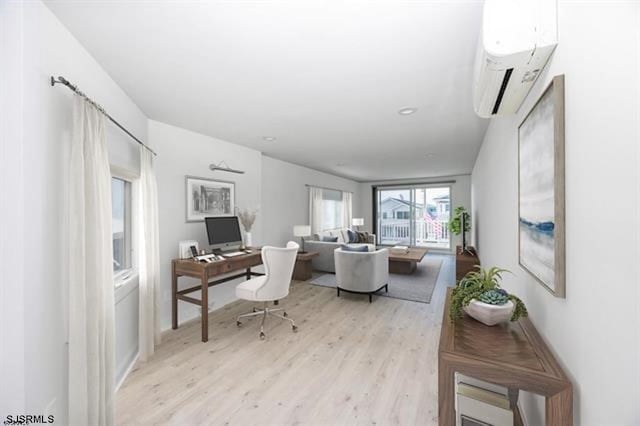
(262, 336)
(284, 314)
(294, 328)
(238, 323)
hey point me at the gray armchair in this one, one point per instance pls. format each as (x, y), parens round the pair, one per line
(362, 272)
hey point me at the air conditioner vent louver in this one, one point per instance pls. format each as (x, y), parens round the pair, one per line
(503, 87)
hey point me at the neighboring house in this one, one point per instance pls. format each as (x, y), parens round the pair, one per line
(443, 208)
(399, 208)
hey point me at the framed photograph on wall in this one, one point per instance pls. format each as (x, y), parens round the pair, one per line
(541, 230)
(209, 197)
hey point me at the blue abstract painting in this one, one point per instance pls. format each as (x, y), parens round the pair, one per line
(537, 199)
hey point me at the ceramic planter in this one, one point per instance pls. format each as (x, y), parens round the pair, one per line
(489, 314)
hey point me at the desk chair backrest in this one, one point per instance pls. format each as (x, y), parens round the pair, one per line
(278, 265)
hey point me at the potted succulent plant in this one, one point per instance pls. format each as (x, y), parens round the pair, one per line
(479, 295)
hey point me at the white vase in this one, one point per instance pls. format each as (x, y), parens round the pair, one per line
(248, 242)
(489, 314)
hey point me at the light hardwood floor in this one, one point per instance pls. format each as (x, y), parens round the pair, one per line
(351, 362)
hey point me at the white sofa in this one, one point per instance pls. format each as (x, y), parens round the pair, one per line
(362, 272)
(325, 261)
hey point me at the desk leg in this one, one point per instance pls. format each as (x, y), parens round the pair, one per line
(174, 297)
(205, 308)
(559, 408)
(446, 394)
(248, 274)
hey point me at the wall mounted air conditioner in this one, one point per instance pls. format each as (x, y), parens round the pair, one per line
(516, 41)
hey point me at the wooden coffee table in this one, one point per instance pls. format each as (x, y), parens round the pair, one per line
(406, 263)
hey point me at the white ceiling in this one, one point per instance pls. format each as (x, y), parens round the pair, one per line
(326, 78)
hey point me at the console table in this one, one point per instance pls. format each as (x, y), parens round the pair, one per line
(465, 262)
(512, 355)
(204, 272)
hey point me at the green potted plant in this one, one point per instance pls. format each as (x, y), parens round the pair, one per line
(479, 295)
(460, 223)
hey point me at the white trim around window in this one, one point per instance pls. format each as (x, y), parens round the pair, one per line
(124, 276)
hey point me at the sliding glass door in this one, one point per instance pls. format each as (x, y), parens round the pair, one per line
(415, 215)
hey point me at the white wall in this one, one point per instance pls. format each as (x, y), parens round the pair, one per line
(181, 153)
(460, 196)
(38, 163)
(285, 197)
(594, 331)
(12, 368)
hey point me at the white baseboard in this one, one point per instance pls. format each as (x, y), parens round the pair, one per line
(126, 373)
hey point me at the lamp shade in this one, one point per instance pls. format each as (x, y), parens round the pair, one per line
(301, 230)
(357, 221)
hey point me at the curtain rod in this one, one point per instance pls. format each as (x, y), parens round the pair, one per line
(74, 88)
(324, 187)
(414, 184)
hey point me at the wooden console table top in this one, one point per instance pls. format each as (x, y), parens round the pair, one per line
(511, 355)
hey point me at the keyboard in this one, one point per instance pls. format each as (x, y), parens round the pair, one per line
(233, 254)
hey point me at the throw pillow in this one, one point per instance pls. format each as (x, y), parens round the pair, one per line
(362, 249)
(330, 239)
(362, 237)
(353, 236)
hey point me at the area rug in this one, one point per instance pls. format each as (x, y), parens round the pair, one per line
(417, 287)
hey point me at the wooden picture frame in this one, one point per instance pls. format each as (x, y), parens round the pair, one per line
(208, 197)
(541, 189)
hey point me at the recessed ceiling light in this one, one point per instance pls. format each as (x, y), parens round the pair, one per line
(269, 138)
(430, 155)
(407, 111)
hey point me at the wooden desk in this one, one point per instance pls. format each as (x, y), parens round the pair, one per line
(511, 355)
(204, 272)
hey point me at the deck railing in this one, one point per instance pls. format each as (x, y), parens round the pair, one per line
(427, 231)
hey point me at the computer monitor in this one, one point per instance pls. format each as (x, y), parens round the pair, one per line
(224, 232)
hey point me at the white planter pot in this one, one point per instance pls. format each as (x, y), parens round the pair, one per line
(489, 314)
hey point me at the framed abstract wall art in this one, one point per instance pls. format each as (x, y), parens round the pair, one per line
(541, 230)
(208, 197)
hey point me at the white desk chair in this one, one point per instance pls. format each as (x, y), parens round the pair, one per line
(273, 286)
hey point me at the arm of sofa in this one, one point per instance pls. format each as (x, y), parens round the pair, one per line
(324, 261)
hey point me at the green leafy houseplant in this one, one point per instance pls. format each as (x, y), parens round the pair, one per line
(460, 216)
(483, 285)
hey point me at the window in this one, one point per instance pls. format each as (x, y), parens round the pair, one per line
(424, 223)
(121, 224)
(332, 216)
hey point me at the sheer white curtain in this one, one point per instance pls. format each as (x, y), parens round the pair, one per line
(90, 272)
(316, 209)
(347, 209)
(149, 263)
